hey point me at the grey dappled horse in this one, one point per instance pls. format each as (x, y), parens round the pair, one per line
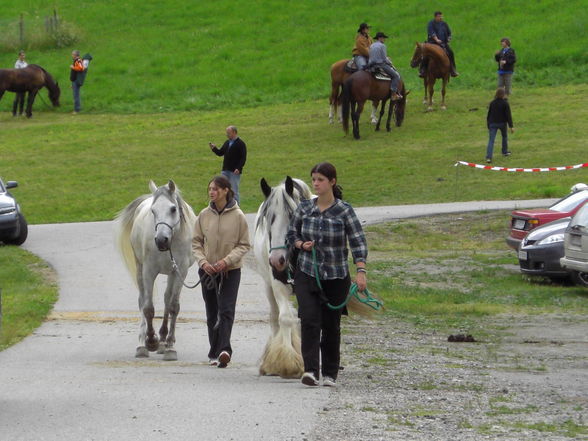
(150, 230)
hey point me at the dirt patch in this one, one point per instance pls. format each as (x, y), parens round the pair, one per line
(527, 379)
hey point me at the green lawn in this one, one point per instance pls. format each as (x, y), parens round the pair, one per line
(166, 56)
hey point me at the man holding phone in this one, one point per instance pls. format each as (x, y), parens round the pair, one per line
(234, 151)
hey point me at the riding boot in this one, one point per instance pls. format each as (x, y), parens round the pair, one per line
(454, 73)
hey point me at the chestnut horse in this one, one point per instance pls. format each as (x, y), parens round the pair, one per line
(438, 67)
(362, 86)
(338, 77)
(29, 79)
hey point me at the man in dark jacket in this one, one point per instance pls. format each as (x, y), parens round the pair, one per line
(234, 151)
(506, 59)
(438, 32)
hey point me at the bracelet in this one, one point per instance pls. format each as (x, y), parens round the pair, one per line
(361, 270)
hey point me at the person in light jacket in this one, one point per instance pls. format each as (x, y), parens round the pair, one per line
(221, 239)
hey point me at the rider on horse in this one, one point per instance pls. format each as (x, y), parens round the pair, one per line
(439, 33)
(361, 50)
(378, 58)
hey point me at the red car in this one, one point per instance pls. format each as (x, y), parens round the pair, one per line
(524, 221)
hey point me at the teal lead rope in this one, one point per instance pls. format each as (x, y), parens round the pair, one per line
(364, 297)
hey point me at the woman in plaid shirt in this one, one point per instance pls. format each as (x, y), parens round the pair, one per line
(325, 224)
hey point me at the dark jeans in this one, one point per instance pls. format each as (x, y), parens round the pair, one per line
(321, 326)
(18, 103)
(223, 305)
(76, 96)
(492, 129)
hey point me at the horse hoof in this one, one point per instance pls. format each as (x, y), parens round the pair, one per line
(443, 107)
(142, 352)
(374, 121)
(429, 109)
(161, 348)
(170, 355)
(152, 344)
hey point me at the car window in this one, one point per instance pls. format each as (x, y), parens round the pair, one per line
(570, 202)
(581, 217)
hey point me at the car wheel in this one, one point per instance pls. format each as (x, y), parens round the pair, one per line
(580, 278)
(23, 232)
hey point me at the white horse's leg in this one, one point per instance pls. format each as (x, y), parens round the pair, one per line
(142, 350)
(374, 116)
(282, 354)
(172, 303)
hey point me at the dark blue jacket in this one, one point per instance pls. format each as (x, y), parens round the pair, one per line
(234, 157)
(507, 54)
(439, 29)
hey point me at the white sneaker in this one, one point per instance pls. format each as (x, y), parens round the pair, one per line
(329, 382)
(309, 379)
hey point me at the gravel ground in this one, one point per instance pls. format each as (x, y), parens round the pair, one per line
(527, 380)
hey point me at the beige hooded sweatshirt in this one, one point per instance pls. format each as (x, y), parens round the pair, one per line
(222, 235)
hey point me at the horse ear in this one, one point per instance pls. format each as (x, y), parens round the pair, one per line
(152, 186)
(289, 185)
(172, 186)
(265, 188)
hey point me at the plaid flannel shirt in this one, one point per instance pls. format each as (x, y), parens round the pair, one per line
(330, 231)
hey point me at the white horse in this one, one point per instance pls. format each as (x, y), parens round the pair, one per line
(154, 235)
(282, 352)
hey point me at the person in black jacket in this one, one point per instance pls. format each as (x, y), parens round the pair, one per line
(506, 60)
(234, 151)
(498, 117)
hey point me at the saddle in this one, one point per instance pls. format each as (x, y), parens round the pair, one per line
(379, 74)
(350, 66)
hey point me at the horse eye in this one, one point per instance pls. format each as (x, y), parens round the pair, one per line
(173, 209)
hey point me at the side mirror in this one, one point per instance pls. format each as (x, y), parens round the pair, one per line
(11, 184)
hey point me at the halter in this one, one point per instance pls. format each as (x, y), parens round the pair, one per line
(167, 225)
(290, 279)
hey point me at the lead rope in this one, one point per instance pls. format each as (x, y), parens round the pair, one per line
(364, 296)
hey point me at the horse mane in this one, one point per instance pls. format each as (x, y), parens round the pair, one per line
(280, 198)
(49, 81)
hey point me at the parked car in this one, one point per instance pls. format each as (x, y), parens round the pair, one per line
(13, 225)
(542, 249)
(576, 247)
(523, 221)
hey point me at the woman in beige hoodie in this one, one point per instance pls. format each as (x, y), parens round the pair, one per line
(221, 239)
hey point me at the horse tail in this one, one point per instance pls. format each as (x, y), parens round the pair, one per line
(124, 225)
(400, 106)
(346, 104)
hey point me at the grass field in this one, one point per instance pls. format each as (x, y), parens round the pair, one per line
(153, 56)
(88, 167)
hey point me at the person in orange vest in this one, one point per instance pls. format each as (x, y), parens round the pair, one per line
(77, 75)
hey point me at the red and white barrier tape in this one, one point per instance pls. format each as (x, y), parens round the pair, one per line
(507, 169)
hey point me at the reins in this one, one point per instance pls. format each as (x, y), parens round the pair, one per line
(364, 296)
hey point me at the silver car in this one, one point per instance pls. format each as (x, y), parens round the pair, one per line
(13, 226)
(576, 247)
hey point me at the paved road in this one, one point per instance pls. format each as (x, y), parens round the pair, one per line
(76, 377)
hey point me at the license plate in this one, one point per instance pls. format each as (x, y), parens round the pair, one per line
(522, 255)
(519, 224)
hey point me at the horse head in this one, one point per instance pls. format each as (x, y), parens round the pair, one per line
(417, 56)
(167, 213)
(54, 93)
(274, 216)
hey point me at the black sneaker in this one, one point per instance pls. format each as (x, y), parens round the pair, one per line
(223, 359)
(309, 379)
(506, 154)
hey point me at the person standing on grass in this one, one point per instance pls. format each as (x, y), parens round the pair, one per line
(234, 151)
(321, 228)
(77, 75)
(361, 50)
(18, 104)
(506, 60)
(221, 239)
(499, 116)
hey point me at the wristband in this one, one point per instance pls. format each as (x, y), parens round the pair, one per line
(362, 270)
